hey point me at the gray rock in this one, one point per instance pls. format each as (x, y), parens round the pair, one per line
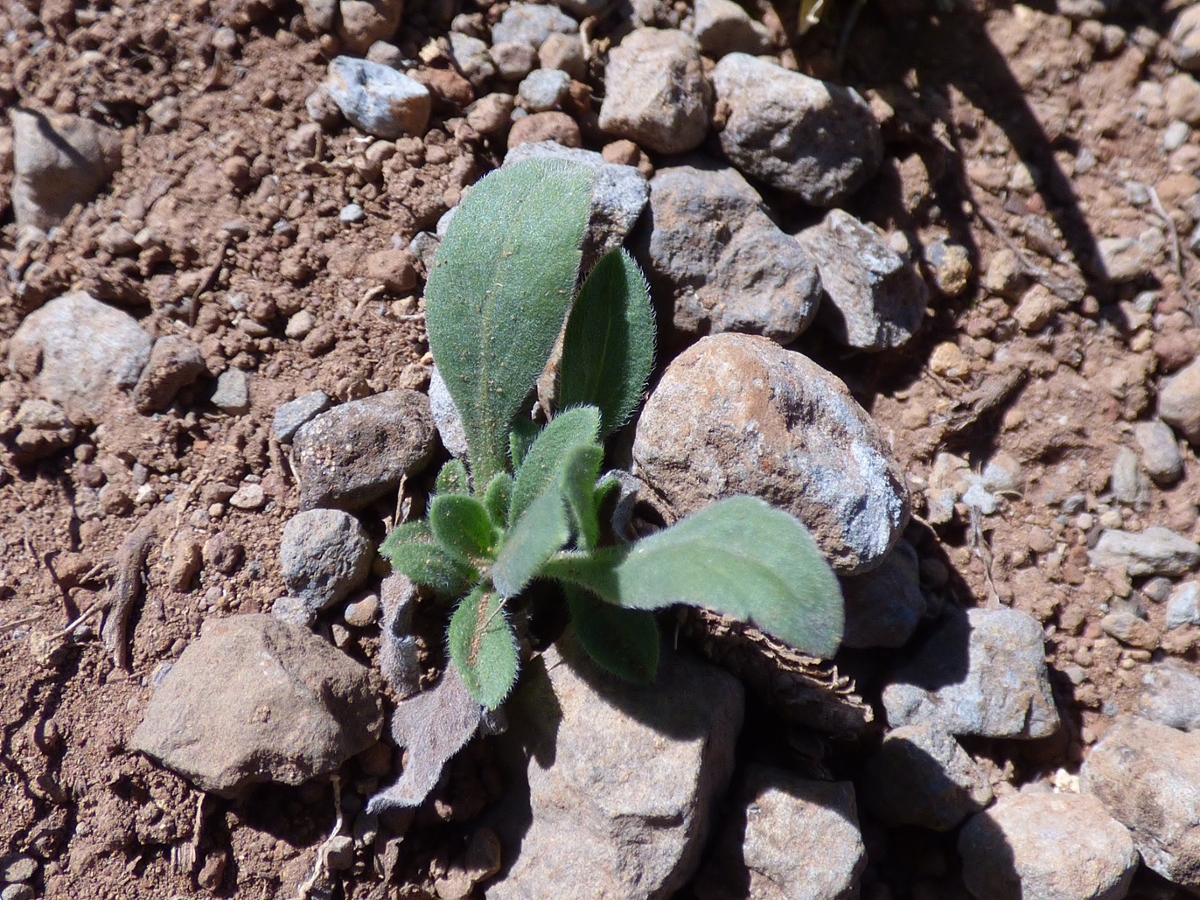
(290, 416)
(1128, 483)
(16, 868)
(1148, 778)
(565, 52)
(378, 99)
(1179, 402)
(324, 555)
(981, 672)
(788, 838)
(294, 611)
(256, 700)
(885, 605)
(1183, 606)
(1155, 551)
(618, 195)
(737, 414)
(655, 91)
(78, 352)
(875, 298)
(232, 392)
(722, 26)
(1185, 39)
(1170, 696)
(175, 362)
(816, 140)
(42, 429)
(321, 14)
(18, 892)
(921, 776)
(363, 22)
(446, 416)
(1127, 258)
(621, 778)
(359, 451)
(352, 214)
(471, 56)
(1038, 845)
(725, 265)
(58, 161)
(544, 89)
(513, 59)
(530, 24)
(1160, 451)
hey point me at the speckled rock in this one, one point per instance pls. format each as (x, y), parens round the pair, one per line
(655, 91)
(789, 839)
(378, 99)
(359, 451)
(715, 252)
(738, 414)
(1155, 551)
(981, 672)
(1183, 605)
(254, 700)
(875, 298)
(1179, 402)
(324, 555)
(530, 24)
(885, 605)
(816, 140)
(1038, 845)
(290, 416)
(1170, 696)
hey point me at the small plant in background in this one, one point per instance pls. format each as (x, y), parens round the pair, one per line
(526, 503)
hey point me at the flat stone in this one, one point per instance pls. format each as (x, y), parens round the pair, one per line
(1148, 778)
(446, 416)
(1039, 845)
(1170, 696)
(255, 700)
(876, 298)
(722, 26)
(16, 868)
(357, 452)
(980, 672)
(738, 414)
(531, 24)
(1183, 605)
(614, 783)
(79, 352)
(295, 413)
(175, 362)
(921, 776)
(232, 392)
(816, 140)
(1179, 402)
(544, 89)
(324, 555)
(714, 251)
(1155, 551)
(248, 496)
(885, 605)
(378, 99)
(788, 838)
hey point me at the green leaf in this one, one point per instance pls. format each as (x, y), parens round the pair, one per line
(608, 349)
(405, 533)
(463, 528)
(738, 557)
(531, 540)
(424, 562)
(483, 647)
(497, 498)
(520, 439)
(452, 479)
(543, 464)
(500, 288)
(580, 469)
(623, 641)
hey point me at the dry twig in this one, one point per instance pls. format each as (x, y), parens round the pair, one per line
(130, 558)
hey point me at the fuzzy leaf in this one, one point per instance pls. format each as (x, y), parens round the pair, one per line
(498, 497)
(738, 557)
(483, 647)
(452, 479)
(624, 641)
(426, 563)
(608, 349)
(463, 528)
(543, 464)
(405, 533)
(531, 540)
(580, 469)
(500, 288)
(520, 439)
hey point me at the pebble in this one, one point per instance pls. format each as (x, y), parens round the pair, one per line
(77, 352)
(950, 265)
(1037, 309)
(362, 613)
(1179, 402)
(17, 868)
(787, 837)
(1130, 629)
(255, 700)
(358, 452)
(363, 22)
(513, 60)
(722, 26)
(980, 672)
(42, 430)
(885, 605)
(816, 140)
(544, 89)
(1155, 551)
(875, 299)
(58, 161)
(1148, 778)
(738, 414)
(1185, 39)
(324, 554)
(1183, 605)
(351, 214)
(545, 126)
(564, 52)
(223, 553)
(471, 56)
(656, 92)
(322, 109)
(300, 324)
(1040, 845)
(1160, 451)
(248, 496)
(724, 264)
(1170, 696)
(321, 14)
(294, 611)
(295, 413)
(377, 99)
(922, 776)
(1128, 483)
(232, 393)
(175, 363)
(1127, 258)
(18, 892)
(531, 24)
(1175, 135)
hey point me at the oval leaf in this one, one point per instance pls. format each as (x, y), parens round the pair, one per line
(498, 497)
(462, 527)
(544, 462)
(530, 541)
(623, 641)
(483, 647)
(452, 479)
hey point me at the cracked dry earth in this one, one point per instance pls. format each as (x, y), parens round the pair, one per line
(1049, 142)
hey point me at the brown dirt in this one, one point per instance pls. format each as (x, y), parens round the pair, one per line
(974, 95)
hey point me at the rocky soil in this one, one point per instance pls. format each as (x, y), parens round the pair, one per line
(925, 278)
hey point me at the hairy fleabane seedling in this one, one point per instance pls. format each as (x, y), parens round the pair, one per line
(525, 504)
